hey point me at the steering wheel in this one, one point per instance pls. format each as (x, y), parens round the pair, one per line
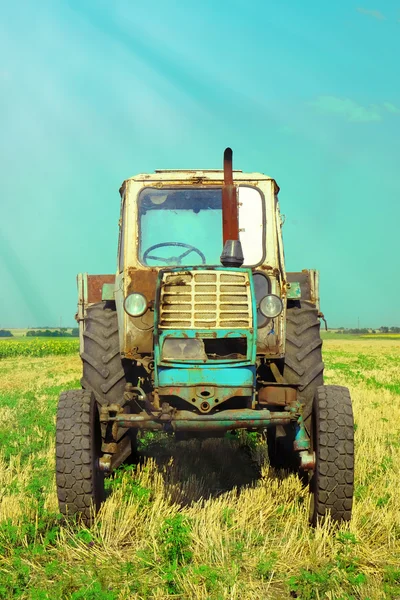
(173, 260)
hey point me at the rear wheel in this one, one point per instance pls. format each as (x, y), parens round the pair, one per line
(80, 482)
(104, 373)
(304, 367)
(103, 370)
(332, 439)
(303, 354)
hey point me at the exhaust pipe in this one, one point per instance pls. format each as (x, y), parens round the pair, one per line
(232, 254)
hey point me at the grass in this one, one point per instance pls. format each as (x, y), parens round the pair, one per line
(335, 335)
(37, 347)
(204, 520)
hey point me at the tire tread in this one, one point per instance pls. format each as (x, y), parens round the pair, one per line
(104, 373)
(303, 356)
(75, 477)
(333, 481)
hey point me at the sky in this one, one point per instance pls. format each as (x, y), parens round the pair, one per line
(93, 92)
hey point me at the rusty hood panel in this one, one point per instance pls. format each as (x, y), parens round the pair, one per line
(95, 286)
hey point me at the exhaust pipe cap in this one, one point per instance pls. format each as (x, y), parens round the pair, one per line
(232, 254)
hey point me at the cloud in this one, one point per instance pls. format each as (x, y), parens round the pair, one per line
(376, 14)
(391, 107)
(347, 108)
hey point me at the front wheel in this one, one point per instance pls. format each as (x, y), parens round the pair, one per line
(332, 439)
(80, 482)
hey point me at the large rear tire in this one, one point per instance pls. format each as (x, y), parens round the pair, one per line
(303, 366)
(80, 482)
(332, 439)
(103, 370)
(303, 354)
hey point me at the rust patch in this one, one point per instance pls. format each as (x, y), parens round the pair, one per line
(187, 420)
(277, 395)
(276, 373)
(109, 448)
(230, 217)
(270, 270)
(142, 281)
(95, 285)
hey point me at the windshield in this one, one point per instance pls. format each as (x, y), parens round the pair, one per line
(184, 226)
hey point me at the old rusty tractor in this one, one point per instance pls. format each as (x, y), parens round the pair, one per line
(188, 340)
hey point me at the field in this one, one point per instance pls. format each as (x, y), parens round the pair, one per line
(198, 520)
(38, 347)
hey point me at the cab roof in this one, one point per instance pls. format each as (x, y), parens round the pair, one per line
(196, 174)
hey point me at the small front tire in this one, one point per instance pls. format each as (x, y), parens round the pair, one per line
(332, 439)
(80, 482)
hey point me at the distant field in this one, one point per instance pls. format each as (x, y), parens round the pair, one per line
(37, 347)
(382, 336)
(334, 335)
(199, 520)
(22, 332)
(329, 335)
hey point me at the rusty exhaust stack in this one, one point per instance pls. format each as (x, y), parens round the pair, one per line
(232, 254)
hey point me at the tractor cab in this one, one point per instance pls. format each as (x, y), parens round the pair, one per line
(202, 237)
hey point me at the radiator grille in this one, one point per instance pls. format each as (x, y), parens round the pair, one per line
(205, 299)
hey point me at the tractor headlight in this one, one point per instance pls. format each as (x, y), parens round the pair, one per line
(271, 306)
(135, 305)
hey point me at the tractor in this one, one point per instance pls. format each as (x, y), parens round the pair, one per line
(199, 332)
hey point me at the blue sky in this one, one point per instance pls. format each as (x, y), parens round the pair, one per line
(92, 92)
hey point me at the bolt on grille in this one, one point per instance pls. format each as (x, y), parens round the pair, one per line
(205, 299)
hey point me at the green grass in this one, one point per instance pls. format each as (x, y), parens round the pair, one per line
(333, 335)
(38, 347)
(359, 368)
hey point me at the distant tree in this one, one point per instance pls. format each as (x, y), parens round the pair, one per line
(357, 331)
(75, 332)
(46, 333)
(384, 329)
(61, 332)
(5, 333)
(395, 330)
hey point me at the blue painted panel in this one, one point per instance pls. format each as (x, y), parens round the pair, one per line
(243, 376)
(197, 373)
(206, 334)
